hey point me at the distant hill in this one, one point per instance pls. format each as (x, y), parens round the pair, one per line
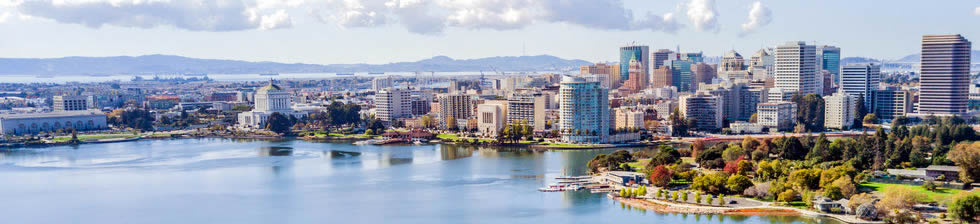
(169, 64)
(974, 57)
(851, 60)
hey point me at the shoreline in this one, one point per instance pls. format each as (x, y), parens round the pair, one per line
(767, 210)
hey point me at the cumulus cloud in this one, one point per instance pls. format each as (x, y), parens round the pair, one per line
(195, 15)
(702, 15)
(759, 16)
(433, 16)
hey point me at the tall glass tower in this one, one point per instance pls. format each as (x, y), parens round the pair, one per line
(627, 53)
(830, 60)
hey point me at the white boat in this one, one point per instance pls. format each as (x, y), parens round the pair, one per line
(560, 187)
(365, 142)
(417, 142)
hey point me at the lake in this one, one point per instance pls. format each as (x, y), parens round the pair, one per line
(295, 181)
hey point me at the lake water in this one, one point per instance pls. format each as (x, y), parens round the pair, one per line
(237, 181)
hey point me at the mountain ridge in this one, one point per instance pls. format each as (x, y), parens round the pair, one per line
(172, 64)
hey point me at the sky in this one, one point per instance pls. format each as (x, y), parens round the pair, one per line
(384, 31)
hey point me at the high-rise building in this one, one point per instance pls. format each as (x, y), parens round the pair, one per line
(627, 53)
(637, 79)
(660, 57)
(829, 59)
(392, 103)
(702, 73)
(739, 100)
(762, 65)
(379, 83)
(71, 103)
(861, 80)
(892, 102)
(839, 110)
(584, 111)
(662, 77)
(796, 68)
(456, 107)
(611, 71)
(527, 108)
(779, 115)
(704, 108)
(945, 76)
(732, 61)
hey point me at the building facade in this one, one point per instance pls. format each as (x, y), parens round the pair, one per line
(796, 68)
(861, 80)
(945, 77)
(627, 53)
(490, 119)
(705, 108)
(779, 115)
(71, 103)
(458, 107)
(584, 111)
(392, 104)
(839, 110)
(269, 99)
(34, 123)
(893, 102)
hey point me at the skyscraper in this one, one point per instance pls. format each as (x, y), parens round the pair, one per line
(392, 103)
(627, 53)
(829, 59)
(945, 75)
(637, 79)
(796, 68)
(584, 113)
(861, 80)
(662, 77)
(660, 57)
(702, 73)
(454, 107)
(705, 108)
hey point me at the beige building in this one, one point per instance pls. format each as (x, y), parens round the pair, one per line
(839, 110)
(490, 119)
(779, 115)
(628, 118)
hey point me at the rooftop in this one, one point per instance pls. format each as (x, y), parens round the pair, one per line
(51, 114)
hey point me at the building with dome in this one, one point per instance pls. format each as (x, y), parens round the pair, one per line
(268, 100)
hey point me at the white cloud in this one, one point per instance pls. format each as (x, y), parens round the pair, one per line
(4, 16)
(195, 15)
(976, 12)
(433, 16)
(759, 16)
(703, 15)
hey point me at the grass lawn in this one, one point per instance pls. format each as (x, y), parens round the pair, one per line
(687, 159)
(452, 137)
(639, 164)
(563, 145)
(94, 137)
(940, 195)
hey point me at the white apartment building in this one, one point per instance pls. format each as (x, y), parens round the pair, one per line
(839, 110)
(779, 115)
(796, 68)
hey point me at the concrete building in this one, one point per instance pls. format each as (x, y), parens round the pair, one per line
(892, 102)
(458, 107)
(945, 77)
(796, 68)
(705, 108)
(702, 73)
(71, 103)
(392, 104)
(584, 111)
(861, 80)
(490, 119)
(630, 52)
(762, 65)
(268, 100)
(779, 94)
(610, 70)
(780, 115)
(379, 83)
(628, 118)
(731, 62)
(738, 99)
(839, 112)
(528, 108)
(662, 77)
(33, 123)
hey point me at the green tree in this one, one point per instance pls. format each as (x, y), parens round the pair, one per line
(870, 118)
(684, 196)
(787, 196)
(721, 200)
(278, 123)
(708, 199)
(810, 112)
(678, 123)
(697, 197)
(673, 196)
(967, 157)
(966, 208)
(738, 183)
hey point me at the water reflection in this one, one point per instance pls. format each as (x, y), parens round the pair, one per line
(454, 152)
(275, 151)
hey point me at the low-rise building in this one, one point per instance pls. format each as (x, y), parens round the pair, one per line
(33, 123)
(780, 115)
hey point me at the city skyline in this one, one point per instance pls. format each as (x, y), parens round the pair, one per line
(310, 32)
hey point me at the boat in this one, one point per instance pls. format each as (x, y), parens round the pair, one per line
(560, 187)
(365, 142)
(345, 73)
(417, 142)
(269, 74)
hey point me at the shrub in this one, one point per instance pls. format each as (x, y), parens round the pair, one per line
(787, 196)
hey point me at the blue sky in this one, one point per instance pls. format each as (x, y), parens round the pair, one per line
(382, 31)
